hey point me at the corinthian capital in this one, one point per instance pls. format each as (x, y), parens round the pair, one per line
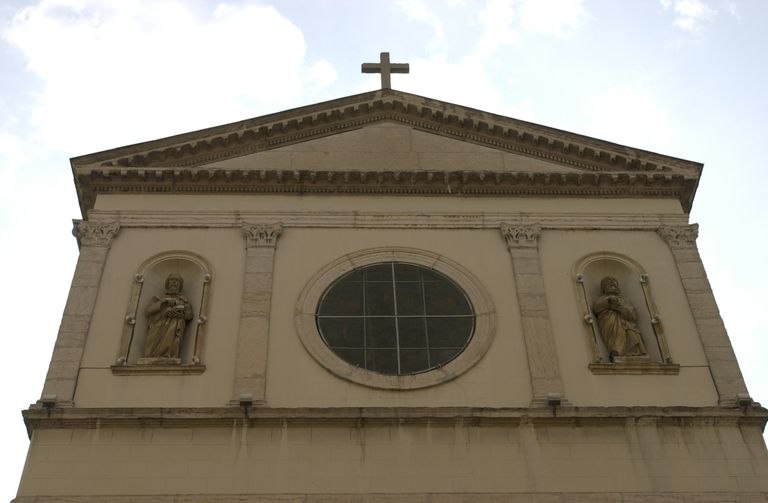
(518, 236)
(681, 236)
(94, 233)
(261, 235)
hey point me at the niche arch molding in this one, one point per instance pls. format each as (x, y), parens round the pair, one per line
(635, 284)
(148, 281)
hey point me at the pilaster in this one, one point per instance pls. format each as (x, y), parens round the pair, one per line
(723, 366)
(94, 240)
(253, 335)
(523, 244)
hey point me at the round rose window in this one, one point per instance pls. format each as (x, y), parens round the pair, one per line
(395, 318)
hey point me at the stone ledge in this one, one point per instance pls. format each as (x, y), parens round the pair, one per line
(528, 497)
(75, 417)
(148, 369)
(635, 368)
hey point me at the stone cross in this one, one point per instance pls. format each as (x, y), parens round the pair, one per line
(385, 68)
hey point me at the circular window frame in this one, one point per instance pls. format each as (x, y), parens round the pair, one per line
(478, 345)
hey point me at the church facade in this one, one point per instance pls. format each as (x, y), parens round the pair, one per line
(387, 297)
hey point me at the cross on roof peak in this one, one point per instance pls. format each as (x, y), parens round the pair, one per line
(385, 68)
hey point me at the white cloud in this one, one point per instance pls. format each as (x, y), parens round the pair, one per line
(731, 8)
(419, 11)
(631, 116)
(497, 21)
(495, 24)
(322, 73)
(12, 156)
(134, 70)
(553, 17)
(690, 15)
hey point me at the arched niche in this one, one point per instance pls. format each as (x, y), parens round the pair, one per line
(148, 283)
(635, 286)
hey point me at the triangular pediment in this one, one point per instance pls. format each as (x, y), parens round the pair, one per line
(387, 141)
(388, 146)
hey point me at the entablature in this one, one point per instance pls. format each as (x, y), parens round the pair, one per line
(391, 219)
(107, 180)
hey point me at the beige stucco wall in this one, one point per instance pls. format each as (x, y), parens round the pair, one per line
(294, 379)
(560, 252)
(224, 251)
(409, 458)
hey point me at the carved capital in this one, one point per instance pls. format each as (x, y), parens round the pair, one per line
(98, 234)
(262, 235)
(683, 236)
(518, 236)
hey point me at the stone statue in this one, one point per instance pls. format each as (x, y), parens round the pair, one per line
(168, 317)
(617, 320)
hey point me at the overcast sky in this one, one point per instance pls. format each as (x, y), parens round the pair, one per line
(686, 78)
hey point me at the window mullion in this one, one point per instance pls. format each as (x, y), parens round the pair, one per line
(397, 328)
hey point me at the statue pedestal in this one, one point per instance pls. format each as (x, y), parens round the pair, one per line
(159, 361)
(632, 359)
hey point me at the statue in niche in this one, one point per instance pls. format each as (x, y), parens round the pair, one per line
(168, 316)
(617, 320)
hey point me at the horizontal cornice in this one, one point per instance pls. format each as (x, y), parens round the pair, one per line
(390, 219)
(38, 417)
(107, 180)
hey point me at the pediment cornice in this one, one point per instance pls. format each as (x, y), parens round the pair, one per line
(186, 154)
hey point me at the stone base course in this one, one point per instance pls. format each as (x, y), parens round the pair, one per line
(654, 497)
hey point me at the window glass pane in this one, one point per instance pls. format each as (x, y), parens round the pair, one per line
(345, 299)
(444, 298)
(405, 272)
(381, 272)
(413, 360)
(442, 356)
(354, 357)
(409, 299)
(383, 361)
(412, 332)
(429, 275)
(379, 299)
(449, 332)
(380, 333)
(356, 275)
(422, 318)
(342, 332)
